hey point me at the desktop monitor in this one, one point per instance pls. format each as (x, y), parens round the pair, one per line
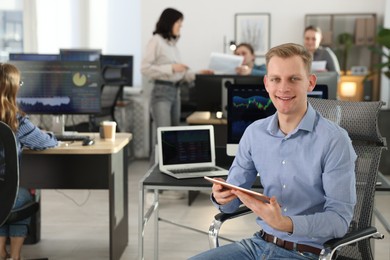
(117, 69)
(331, 79)
(246, 104)
(59, 88)
(319, 91)
(210, 91)
(80, 54)
(34, 56)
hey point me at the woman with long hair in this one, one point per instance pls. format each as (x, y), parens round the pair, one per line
(27, 135)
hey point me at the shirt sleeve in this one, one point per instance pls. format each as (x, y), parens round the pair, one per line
(339, 192)
(149, 68)
(32, 137)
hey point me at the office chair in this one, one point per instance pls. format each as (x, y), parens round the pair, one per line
(360, 120)
(112, 90)
(9, 180)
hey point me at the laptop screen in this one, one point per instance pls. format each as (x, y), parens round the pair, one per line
(186, 146)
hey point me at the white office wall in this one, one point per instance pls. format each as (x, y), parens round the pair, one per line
(207, 22)
(110, 25)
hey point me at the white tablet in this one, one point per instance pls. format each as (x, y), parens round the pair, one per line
(234, 187)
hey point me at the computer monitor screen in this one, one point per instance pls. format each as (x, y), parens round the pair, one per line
(246, 104)
(34, 56)
(210, 91)
(319, 91)
(59, 87)
(117, 69)
(331, 79)
(80, 54)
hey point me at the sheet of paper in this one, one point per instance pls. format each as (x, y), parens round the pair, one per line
(319, 65)
(222, 63)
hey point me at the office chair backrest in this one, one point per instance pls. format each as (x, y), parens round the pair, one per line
(360, 119)
(9, 171)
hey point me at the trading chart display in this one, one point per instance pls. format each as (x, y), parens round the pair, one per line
(246, 104)
(59, 87)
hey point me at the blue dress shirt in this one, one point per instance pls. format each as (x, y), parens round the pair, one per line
(310, 171)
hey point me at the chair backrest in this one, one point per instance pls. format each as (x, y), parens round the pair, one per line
(9, 171)
(360, 120)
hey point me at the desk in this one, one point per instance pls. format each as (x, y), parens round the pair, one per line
(100, 166)
(156, 181)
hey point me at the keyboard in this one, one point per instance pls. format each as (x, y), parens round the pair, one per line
(189, 170)
(71, 137)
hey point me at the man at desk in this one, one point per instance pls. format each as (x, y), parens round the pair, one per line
(312, 39)
(306, 164)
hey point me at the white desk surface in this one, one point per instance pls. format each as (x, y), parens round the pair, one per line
(101, 146)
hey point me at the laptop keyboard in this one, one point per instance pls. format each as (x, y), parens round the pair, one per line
(189, 170)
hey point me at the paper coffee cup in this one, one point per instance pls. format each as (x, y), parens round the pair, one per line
(108, 129)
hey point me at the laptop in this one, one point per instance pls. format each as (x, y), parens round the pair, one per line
(188, 151)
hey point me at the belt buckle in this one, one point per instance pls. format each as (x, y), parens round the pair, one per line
(275, 240)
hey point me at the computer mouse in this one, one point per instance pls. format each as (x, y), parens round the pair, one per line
(88, 141)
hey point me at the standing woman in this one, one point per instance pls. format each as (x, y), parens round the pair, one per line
(27, 135)
(162, 64)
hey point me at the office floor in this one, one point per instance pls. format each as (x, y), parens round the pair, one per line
(75, 225)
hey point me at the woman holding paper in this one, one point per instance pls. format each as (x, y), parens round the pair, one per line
(162, 64)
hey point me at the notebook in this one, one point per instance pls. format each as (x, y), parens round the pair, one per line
(187, 151)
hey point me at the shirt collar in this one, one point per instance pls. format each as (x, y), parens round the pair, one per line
(306, 124)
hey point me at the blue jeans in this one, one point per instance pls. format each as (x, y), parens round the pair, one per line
(18, 229)
(165, 109)
(252, 248)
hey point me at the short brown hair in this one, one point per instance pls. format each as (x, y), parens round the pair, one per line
(313, 28)
(288, 50)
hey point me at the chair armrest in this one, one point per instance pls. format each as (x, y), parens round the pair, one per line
(219, 219)
(241, 211)
(332, 245)
(26, 211)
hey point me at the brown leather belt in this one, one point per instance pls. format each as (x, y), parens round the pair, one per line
(289, 245)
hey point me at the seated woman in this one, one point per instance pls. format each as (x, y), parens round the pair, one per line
(27, 135)
(248, 66)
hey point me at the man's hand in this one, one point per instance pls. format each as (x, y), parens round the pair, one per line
(271, 212)
(243, 70)
(222, 195)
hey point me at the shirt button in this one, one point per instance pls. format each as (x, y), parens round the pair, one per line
(285, 209)
(283, 162)
(284, 186)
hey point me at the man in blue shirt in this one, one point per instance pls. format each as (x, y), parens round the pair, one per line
(306, 164)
